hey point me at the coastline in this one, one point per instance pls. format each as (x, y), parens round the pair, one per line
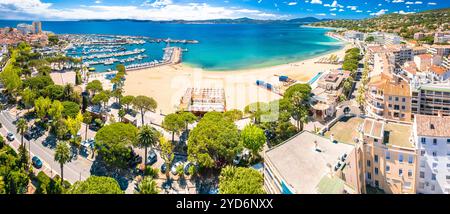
(168, 83)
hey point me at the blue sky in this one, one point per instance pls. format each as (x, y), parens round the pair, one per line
(208, 9)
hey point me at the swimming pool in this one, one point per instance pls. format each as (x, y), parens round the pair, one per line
(315, 78)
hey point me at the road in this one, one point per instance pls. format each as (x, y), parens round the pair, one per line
(73, 171)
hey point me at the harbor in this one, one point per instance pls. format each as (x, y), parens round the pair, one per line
(101, 53)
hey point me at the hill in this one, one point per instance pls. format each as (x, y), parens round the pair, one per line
(403, 24)
(244, 20)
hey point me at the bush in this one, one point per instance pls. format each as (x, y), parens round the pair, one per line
(152, 172)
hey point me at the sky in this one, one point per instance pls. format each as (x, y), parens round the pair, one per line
(208, 9)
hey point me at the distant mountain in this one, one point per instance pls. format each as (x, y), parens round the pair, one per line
(403, 24)
(244, 20)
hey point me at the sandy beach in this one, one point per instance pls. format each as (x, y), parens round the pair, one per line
(167, 84)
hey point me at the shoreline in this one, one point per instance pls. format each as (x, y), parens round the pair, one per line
(168, 83)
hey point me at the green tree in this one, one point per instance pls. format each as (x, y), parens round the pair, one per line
(147, 186)
(257, 110)
(234, 114)
(2, 186)
(87, 119)
(38, 82)
(144, 104)
(94, 87)
(253, 138)
(187, 118)
(146, 137)
(214, 141)
(173, 123)
(74, 125)
(101, 98)
(56, 109)
(70, 109)
(54, 92)
(41, 106)
(166, 154)
(96, 185)
(28, 97)
(299, 109)
(127, 100)
(62, 156)
(22, 127)
(240, 180)
(113, 143)
(121, 114)
(120, 68)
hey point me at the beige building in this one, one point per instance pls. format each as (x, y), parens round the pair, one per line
(389, 156)
(388, 97)
(311, 164)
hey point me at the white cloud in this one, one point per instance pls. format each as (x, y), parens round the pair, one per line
(333, 14)
(157, 3)
(352, 7)
(341, 10)
(98, 2)
(359, 11)
(156, 10)
(381, 12)
(333, 9)
(292, 3)
(409, 2)
(326, 5)
(418, 2)
(316, 1)
(321, 14)
(432, 3)
(334, 4)
(403, 12)
(398, 1)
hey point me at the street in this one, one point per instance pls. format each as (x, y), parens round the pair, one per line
(73, 171)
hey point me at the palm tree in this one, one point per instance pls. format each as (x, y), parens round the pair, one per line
(146, 137)
(147, 186)
(62, 156)
(87, 119)
(22, 126)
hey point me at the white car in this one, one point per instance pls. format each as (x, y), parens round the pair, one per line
(174, 167)
(10, 136)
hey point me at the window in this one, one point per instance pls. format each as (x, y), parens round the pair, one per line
(433, 187)
(448, 165)
(377, 184)
(422, 153)
(410, 173)
(423, 140)
(421, 185)
(390, 98)
(403, 107)
(375, 140)
(434, 153)
(368, 163)
(434, 142)
(422, 174)
(422, 164)
(448, 141)
(400, 172)
(388, 168)
(369, 176)
(447, 177)
(396, 98)
(410, 159)
(375, 159)
(433, 176)
(435, 164)
(400, 158)
(376, 170)
(388, 156)
(403, 99)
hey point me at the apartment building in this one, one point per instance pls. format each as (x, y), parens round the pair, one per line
(389, 156)
(432, 139)
(372, 51)
(311, 164)
(392, 39)
(354, 35)
(441, 50)
(430, 98)
(417, 50)
(442, 37)
(446, 62)
(398, 54)
(388, 96)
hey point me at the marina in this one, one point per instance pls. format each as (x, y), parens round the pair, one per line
(101, 53)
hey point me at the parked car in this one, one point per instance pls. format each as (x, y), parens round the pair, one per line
(152, 158)
(36, 162)
(163, 168)
(10, 136)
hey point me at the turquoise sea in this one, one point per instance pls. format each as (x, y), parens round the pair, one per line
(221, 47)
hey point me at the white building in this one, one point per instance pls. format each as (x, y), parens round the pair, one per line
(432, 139)
(392, 39)
(354, 35)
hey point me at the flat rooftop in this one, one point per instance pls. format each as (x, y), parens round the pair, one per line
(345, 130)
(301, 165)
(396, 134)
